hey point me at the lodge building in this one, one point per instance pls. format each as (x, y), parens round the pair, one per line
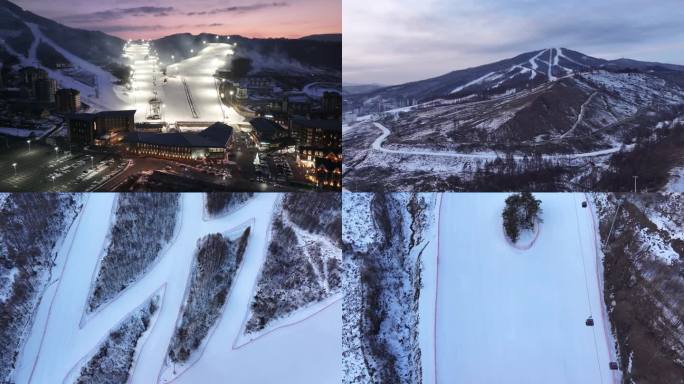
(209, 145)
(101, 128)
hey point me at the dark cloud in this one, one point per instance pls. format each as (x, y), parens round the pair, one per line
(239, 9)
(117, 13)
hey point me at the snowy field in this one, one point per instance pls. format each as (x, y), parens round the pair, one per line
(506, 313)
(303, 348)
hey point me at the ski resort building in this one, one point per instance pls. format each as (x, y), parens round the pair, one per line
(211, 144)
(268, 133)
(328, 171)
(68, 100)
(45, 90)
(317, 132)
(332, 104)
(100, 128)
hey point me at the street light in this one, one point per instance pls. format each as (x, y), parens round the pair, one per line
(29, 144)
(635, 183)
(57, 151)
(53, 180)
(91, 162)
(15, 168)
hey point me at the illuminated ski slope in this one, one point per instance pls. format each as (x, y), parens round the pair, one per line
(57, 344)
(189, 94)
(145, 72)
(202, 88)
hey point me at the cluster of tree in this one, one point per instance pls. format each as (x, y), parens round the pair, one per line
(646, 292)
(219, 203)
(120, 71)
(390, 285)
(144, 223)
(113, 361)
(317, 214)
(651, 160)
(49, 57)
(521, 213)
(31, 224)
(216, 262)
(319, 54)
(507, 174)
(289, 278)
(240, 67)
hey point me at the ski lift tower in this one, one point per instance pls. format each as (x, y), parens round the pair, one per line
(154, 108)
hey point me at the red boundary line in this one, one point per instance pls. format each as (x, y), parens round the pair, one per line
(434, 329)
(604, 314)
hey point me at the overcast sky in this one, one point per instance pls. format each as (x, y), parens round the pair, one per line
(395, 41)
(157, 18)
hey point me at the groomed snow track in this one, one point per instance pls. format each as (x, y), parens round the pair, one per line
(57, 343)
(502, 312)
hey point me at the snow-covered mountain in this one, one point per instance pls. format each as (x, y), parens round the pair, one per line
(16, 31)
(599, 122)
(524, 71)
(295, 56)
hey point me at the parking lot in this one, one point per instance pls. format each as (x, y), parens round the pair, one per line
(46, 168)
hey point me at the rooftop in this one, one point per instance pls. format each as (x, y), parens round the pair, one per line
(216, 136)
(265, 127)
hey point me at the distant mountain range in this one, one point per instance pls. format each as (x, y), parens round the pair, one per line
(524, 71)
(310, 54)
(93, 46)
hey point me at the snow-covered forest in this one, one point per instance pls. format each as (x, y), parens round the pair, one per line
(216, 262)
(112, 362)
(303, 263)
(643, 242)
(130, 250)
(31, 226)
(221, 203)
(383, 243)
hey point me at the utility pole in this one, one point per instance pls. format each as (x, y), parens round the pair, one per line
(635, 183)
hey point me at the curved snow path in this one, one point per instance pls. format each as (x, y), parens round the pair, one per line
(56, 342)
(503, 313)
(377, 145)
(580, 116)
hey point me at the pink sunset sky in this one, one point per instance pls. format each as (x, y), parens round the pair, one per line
(154, 19)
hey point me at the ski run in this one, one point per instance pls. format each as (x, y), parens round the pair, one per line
(302, 347)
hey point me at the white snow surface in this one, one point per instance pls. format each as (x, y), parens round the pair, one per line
(20, 132)
(377, 145)
(504, 313)
(196, 72)
(297, 351)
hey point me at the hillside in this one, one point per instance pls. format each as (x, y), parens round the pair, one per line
(94, 46)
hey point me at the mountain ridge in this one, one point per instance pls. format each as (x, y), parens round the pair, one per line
(524, 71)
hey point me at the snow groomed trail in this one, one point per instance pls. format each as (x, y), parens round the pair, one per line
(57, 344)
(518, 315)
(377, 145)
